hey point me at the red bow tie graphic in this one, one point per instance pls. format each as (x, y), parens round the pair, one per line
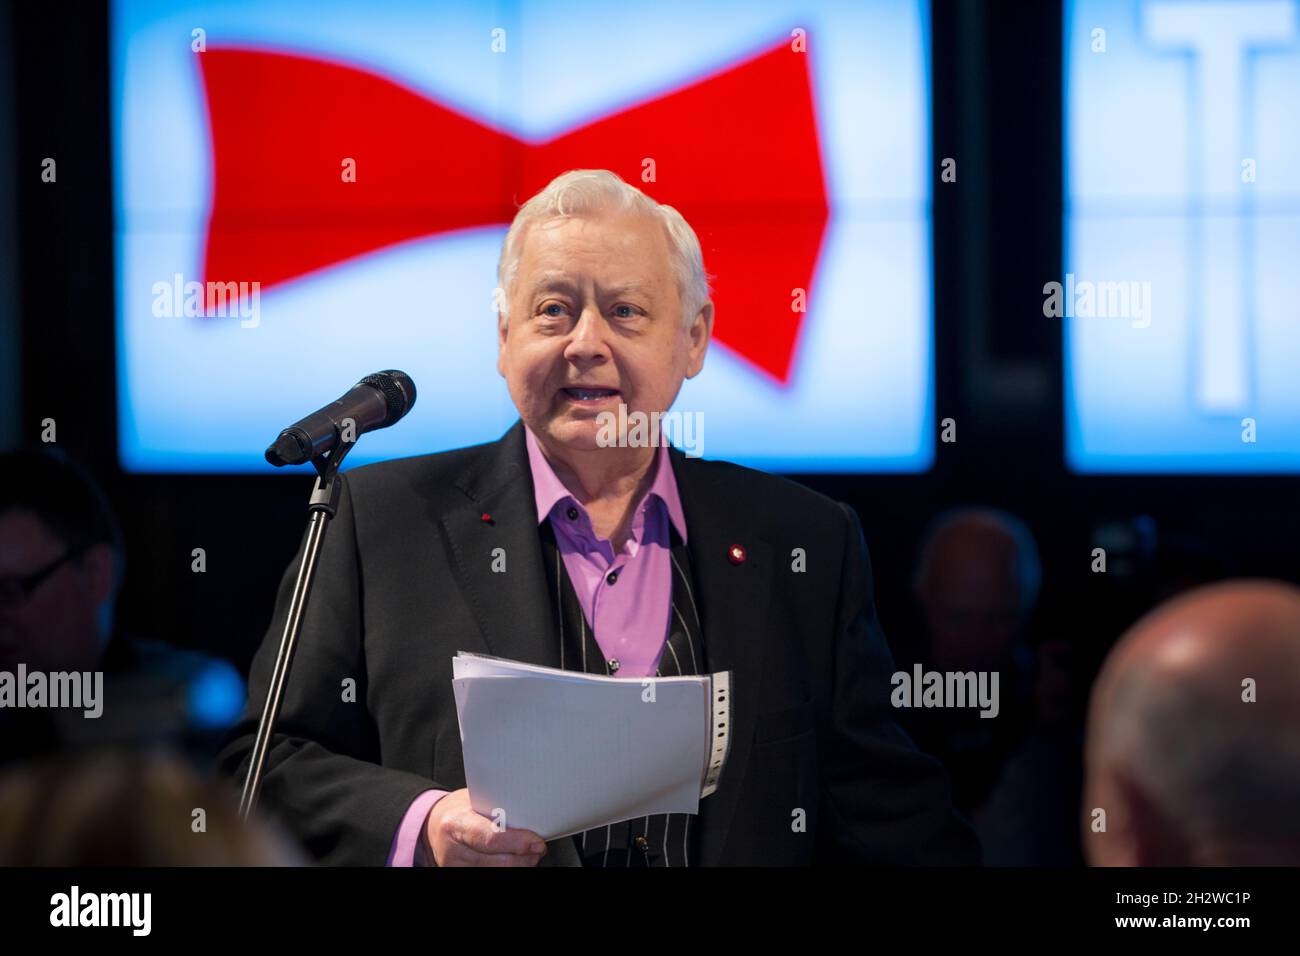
(736, 153)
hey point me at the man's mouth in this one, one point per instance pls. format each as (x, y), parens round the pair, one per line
(590, 395)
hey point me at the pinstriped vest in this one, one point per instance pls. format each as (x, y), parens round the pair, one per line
(666, 839)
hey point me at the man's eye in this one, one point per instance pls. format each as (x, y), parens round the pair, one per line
(624, 311)
(553, 309)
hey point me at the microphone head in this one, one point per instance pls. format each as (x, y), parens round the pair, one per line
(290, 448)
(398, 391)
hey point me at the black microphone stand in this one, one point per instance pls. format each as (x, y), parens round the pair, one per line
(322, 507)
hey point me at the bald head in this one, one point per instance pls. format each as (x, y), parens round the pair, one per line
(1194, 733)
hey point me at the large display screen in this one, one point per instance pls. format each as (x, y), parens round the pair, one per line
(309, 191)
(1181, 293)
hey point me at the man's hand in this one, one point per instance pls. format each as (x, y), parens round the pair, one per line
(460, 836)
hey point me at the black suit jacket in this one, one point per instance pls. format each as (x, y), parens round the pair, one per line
(406, 581)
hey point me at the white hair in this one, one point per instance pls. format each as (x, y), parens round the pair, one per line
(582, 192)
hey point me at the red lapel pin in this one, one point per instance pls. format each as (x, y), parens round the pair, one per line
(736, 554)
(485, 518)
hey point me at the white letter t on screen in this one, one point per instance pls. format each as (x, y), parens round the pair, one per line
(1219, 35)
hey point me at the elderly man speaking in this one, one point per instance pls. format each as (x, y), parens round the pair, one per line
(622, 558)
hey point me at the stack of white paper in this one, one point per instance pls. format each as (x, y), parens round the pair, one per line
(558, 752)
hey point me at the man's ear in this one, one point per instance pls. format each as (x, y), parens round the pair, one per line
(1150, 837)
(501, 344)
(701, 331)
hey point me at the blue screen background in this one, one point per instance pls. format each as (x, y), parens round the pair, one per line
(203, 396)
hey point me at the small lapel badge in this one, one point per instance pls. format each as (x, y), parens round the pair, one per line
(736, 554)
(485, 518)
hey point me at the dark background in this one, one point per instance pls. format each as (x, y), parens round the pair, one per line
(997, 74)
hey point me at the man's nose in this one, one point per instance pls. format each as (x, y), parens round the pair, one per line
(588, 342)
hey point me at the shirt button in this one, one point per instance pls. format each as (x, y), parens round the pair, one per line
(642, 844)
(611, 578)
(614, 665)
(572, 514)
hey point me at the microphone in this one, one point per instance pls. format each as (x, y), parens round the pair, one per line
(375, 402)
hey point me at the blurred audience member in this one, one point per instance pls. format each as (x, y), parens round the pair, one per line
(1193, 749)
(129, 809)
(977, 581)
(61, 563)
(976, 584)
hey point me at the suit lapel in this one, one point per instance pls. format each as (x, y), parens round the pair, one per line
(513, 606)
(733, 600)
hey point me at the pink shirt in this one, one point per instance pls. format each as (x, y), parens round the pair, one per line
(626, 597)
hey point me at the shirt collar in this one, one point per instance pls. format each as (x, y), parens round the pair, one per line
(549, 490)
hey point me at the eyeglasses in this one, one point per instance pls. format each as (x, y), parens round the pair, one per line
(17, 590)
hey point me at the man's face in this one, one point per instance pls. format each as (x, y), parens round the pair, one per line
(595, 320)
(970, 597)
(974, 619)
(58, 626)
